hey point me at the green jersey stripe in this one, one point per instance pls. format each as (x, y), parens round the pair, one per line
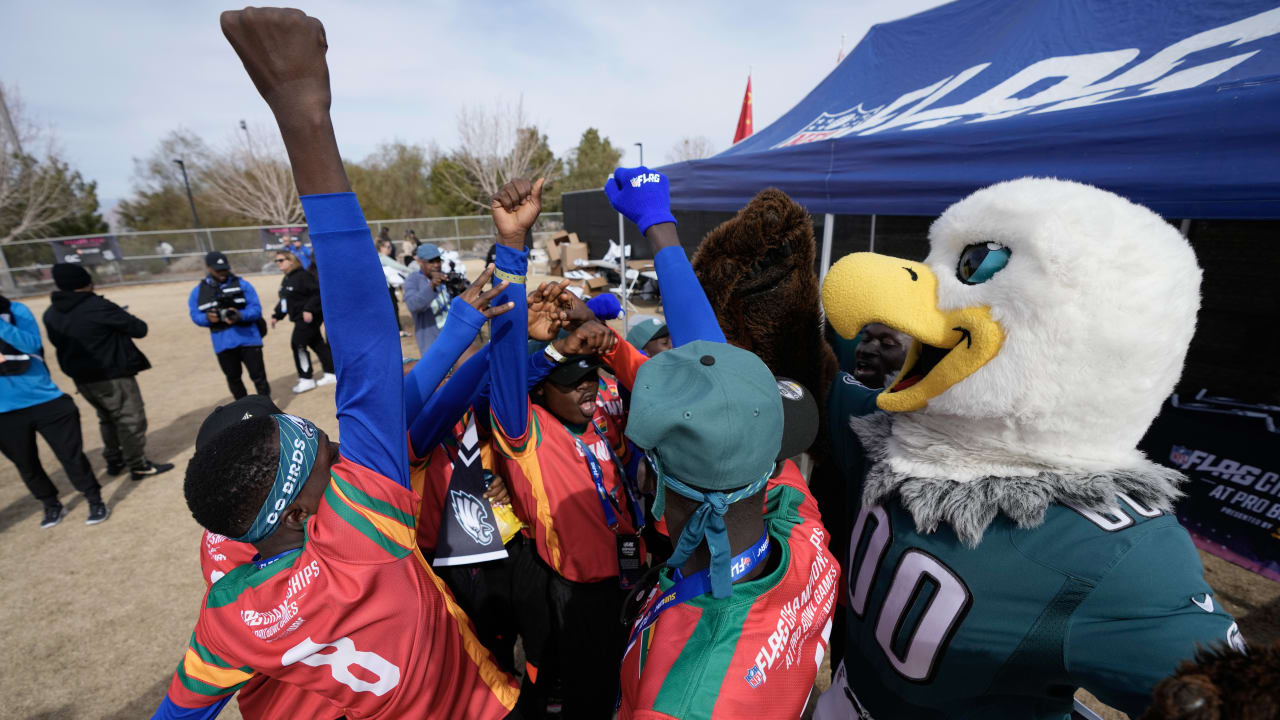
(375, 504)
(357, 521)
(229, 586)
(691, 701)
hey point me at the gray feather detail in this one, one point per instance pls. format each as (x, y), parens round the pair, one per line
(969, 507)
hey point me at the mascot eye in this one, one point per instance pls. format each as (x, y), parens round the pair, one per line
(979, 262)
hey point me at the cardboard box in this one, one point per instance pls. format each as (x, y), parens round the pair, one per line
(570, 253)
(560, 237)
(596, 285)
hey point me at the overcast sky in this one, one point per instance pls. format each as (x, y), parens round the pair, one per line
(110, 79)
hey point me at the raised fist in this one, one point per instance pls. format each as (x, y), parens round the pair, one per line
(590, 338)
(515, 208)
(641, 194)
(283, 50)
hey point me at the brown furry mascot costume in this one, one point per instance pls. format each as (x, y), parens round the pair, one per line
(1222, 684)
(757, 271)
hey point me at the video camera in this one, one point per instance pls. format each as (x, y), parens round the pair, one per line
(454, 280)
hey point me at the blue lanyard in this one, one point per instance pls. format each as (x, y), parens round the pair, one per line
(260, 563)
(687, 588)
(607, 502)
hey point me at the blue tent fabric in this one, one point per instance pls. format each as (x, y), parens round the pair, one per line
(1174, 104)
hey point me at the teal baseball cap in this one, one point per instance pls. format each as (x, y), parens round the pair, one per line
(711, 411)
(648, 329)
(427, 251)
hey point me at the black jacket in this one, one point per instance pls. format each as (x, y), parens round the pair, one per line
(299, 292)
(94, 337)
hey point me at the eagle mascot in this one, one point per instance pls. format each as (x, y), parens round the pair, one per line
(1009, 543)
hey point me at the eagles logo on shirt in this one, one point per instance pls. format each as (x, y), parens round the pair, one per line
(472, 516)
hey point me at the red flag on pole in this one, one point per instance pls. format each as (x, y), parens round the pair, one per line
(744, 117)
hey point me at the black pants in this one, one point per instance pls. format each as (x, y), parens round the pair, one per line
(251, 358)
(122, 419)
(58, 421)
(395, 306)
(589, 640)
(307, 335)
(505, 598)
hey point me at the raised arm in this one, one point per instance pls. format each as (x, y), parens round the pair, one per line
(515, 208)
(644, 197)
(284, 54)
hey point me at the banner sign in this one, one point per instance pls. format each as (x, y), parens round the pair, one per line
(1230, 452)
(277, 237)
(86, 251)
(469, 532)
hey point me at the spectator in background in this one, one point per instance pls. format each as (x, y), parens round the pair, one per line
(879, 355)
(293, 244)
(300, 300)
(395, 274)
(409, 246)
(94, 341)
(228, 305)
(651, 336)
(31, 403)
(165, 250)
(427, 297)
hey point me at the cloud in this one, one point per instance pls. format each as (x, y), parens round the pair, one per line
(112, 78)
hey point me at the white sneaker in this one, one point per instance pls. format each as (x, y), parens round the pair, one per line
(328, 379)
(304, 384)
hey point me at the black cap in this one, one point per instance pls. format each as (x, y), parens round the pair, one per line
(225, 416)
(573, 369)
(217, 261)
(799, 418)
(70, 276)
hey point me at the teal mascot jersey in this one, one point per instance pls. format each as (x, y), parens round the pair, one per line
(1010, 628)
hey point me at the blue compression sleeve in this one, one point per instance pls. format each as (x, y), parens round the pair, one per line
(459, 331)
(509, 357)
(539, 367)
(169, 711)
(446, 405)
(365, 341)
(695, 320)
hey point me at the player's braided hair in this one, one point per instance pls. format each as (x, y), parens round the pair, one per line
(229, 478)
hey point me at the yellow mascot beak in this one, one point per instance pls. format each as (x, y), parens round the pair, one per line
(950, 345)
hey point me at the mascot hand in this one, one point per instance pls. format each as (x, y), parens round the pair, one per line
(640, 194)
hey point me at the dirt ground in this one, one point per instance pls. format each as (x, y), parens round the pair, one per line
(96, 618)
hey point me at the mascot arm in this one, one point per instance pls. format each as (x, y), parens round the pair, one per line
(1144, 617)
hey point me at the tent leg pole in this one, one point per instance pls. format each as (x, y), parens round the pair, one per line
(622, 273)
(872, 247)
(828, 227)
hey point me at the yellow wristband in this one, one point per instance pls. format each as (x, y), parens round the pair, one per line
(504, 275)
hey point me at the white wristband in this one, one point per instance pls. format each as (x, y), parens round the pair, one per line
(554, 354)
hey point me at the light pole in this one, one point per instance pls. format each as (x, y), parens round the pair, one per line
(641, 146)
(190, 199)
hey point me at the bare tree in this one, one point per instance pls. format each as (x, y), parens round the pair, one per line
(34, 192)
(691, 148)
(252, 177)
(496, 146)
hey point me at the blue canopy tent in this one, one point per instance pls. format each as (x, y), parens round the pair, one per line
(1174, 104)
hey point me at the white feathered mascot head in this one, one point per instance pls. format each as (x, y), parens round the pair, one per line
(1051, 321)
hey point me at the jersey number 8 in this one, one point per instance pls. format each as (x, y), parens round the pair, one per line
(922, 607)
(345, 655)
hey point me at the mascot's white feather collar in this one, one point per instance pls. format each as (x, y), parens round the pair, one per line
(1047, 374)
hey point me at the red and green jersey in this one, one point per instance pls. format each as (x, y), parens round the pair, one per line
(354, 616)
(263, 697)
(220, 555)
(759, 648)
(553, 493)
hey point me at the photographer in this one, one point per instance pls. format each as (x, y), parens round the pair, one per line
(427, 296)
(228, 305)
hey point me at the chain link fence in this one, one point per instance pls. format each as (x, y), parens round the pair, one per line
(26, 265)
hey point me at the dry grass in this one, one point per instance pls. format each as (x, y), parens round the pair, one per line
(96, 618)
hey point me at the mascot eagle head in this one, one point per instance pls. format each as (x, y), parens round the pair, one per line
(1050, 320)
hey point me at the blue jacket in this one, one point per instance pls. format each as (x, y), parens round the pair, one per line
(242, 334)
(429, 306)
(34, 386)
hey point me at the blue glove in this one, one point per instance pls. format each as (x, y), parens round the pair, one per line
(642, 195)
(605, 307)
